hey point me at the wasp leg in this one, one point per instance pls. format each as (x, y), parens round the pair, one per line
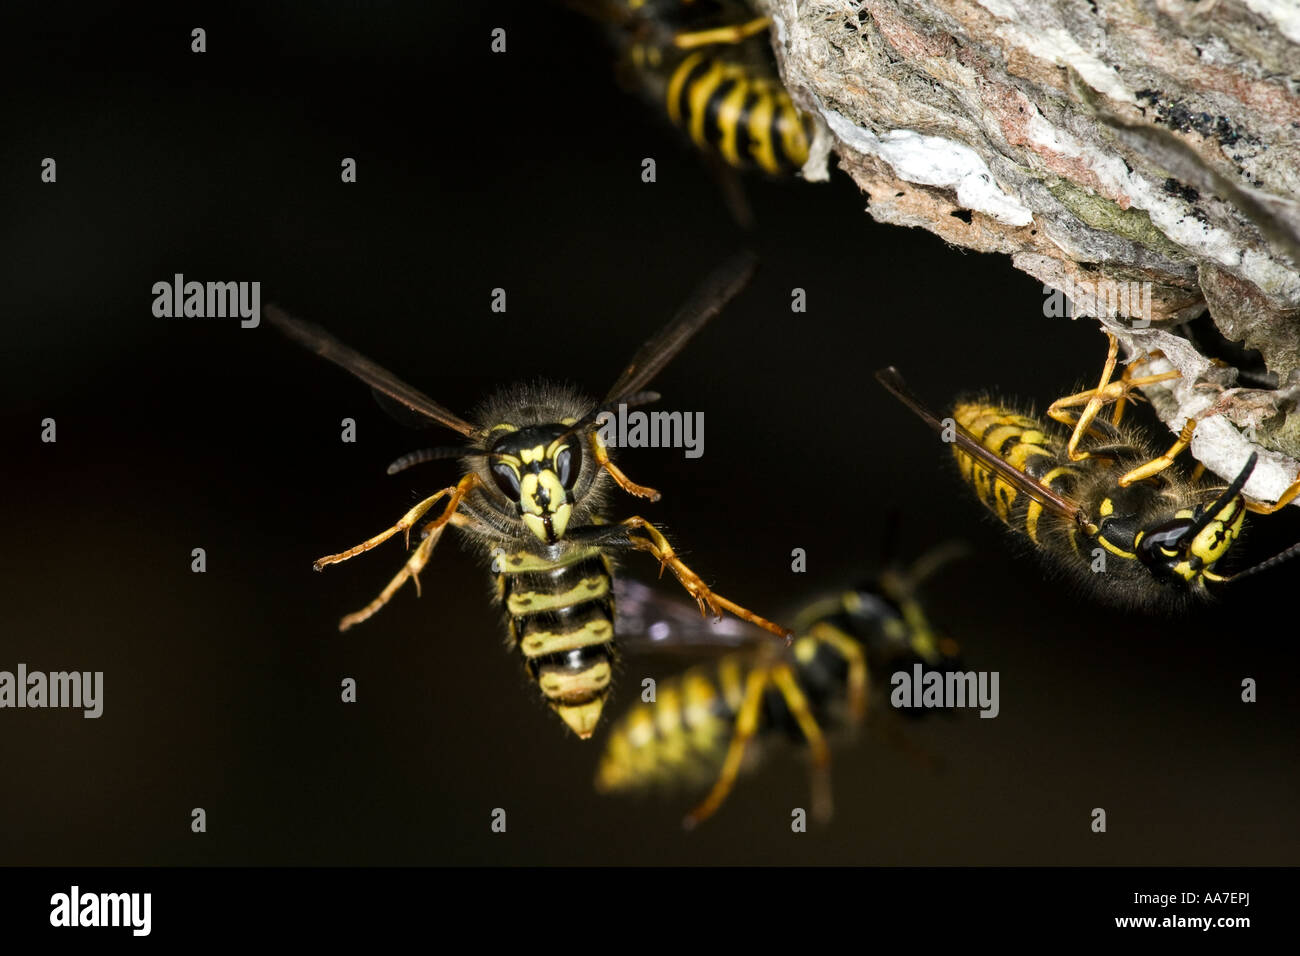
(735, 33)
(1157, 465)
(1288, 496)
(623, 481)
(819, 752)
(414, 565)
(851, 651)
(746, 728)
(457, 492)
(1197, 472)
(709, 601)
(1106, 392)
(1127, 377)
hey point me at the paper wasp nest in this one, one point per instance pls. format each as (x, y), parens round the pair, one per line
(1095, 142)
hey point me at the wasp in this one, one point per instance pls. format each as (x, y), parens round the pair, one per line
(705, 722)
(705, 63)
(532, 500)
(1099, 502)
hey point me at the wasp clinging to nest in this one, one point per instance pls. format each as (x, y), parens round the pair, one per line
(1098, 502)
(532, 500)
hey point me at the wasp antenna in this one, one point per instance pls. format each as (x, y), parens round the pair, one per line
(427, 454)
(1287, 555)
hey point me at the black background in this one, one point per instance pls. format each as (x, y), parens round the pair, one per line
(519, 171)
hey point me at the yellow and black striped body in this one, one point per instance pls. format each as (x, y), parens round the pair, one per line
(679, 740)
(560, 615)
(1106, 562)
(726, 96)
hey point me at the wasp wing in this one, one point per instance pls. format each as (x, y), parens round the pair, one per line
(892, 379)
(706, 302)
(649, 622)
(385, 383)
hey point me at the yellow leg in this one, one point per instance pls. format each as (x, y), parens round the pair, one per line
(627, 484)
(1157, 465)
(709, 601)
(858, 676)
(819, 753)
(746, 727)
(735, 33)
(1127, 378)
(1288, 496)
(1094, 399)
(1197, 472)
(414, 565)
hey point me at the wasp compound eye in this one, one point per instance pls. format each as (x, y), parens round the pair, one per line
(507, 479)
(568, 462)
(1164, 546)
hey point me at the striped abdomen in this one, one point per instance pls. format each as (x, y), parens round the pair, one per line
(746, 118)
(1023, 443)
(681, 738)
(560, 613)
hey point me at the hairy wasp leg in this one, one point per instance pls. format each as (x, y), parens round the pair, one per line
(1157, 465)
(851, 651)
(746, 728)
(1288, 496)
(1128, 379)
(623, 481)
(735, 33)
(709, 601)
(414, 565)
(1093, 399)
(818, 752)
(457, 492)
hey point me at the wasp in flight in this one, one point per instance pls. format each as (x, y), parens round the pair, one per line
(532, 500)
(706, 722)
(1099, 502)
(707, 65)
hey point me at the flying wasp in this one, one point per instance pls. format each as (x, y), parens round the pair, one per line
(706, 64)
(706, 722)
(532, 500)
(1099, 502)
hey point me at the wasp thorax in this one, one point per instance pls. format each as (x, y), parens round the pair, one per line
(536, 468)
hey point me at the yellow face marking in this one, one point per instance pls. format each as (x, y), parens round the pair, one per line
(503, 427)
(1107, 508)
(1219, 535)
(534, 524)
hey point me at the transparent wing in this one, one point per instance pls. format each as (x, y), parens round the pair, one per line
(706, 302)
(385, 383)
(892, 379)
(649, 622)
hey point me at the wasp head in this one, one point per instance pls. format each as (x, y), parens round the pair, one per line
(536, 468)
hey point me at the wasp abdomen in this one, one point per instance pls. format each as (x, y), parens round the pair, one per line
(1025, 444)
(561, 617)
(746, 118)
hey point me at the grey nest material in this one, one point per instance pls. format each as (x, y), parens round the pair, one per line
(1102, 142)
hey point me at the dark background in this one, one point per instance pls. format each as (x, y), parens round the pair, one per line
(520, 171)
